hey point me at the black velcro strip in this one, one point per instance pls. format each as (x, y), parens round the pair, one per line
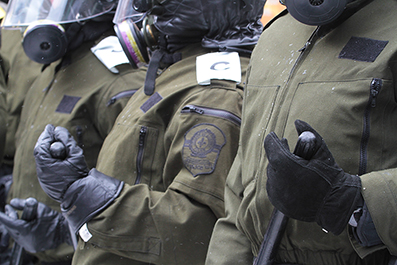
(362, 49)
(153, 100)
(67, 104)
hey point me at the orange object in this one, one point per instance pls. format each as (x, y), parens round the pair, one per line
(271, 9)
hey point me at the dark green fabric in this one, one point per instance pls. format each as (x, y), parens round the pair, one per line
(3, 108)
(168, 217)
(52, 99)
(21, 73)
(331, 94)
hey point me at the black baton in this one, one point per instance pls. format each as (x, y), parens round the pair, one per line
(305, 148)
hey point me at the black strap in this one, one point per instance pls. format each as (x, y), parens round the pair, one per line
(159, 55)
(151, 73)
(236, 49)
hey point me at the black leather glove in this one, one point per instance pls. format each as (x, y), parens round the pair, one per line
(4, 238)
(47, 229)
(57, 174)
(81, 195)
(86, 197)
(310, 190)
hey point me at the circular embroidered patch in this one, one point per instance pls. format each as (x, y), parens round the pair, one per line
(201, 148)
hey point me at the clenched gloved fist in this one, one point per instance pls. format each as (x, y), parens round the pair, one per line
(311, 189)
(58, 170)
(63, 175)
(45, 229)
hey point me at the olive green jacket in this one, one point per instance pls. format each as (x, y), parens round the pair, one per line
(83, 97)
(173, 150)
(328, 79)
(21, 72)
(3, 107)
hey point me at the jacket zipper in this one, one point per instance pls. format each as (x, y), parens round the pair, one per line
(374, 90)
(79, 135)
(139, 158)
(212, 112)
(303, 51)
(123, 94)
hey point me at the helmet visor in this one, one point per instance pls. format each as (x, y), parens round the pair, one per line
(21, 13)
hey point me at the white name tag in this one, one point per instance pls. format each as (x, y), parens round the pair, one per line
(110, 53)
(218, 65)
(84, 233)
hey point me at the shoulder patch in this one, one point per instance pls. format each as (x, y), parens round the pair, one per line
(362, 49)
(201, 148)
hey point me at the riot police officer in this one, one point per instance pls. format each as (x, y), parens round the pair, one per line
(84, 83)
(158, 186)
(328, 68)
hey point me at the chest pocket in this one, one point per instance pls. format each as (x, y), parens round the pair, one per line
(145, 151)
(130, 154)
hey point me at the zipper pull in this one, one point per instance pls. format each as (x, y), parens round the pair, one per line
(375, 87)
(79, 134)
(139, 158)
(193, 109)
(304, 47)
(122, 94)
(111, 101)
(142, 134)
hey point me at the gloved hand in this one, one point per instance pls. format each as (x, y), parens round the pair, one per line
(57, 174)
(66, 180)
(86, 197)
(47, 230)
(310, 190)
(4, 238)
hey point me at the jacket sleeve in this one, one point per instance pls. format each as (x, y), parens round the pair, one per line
(174, 226)
(225, 232)
(3, 105)
(379, 189)
(3, 121)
